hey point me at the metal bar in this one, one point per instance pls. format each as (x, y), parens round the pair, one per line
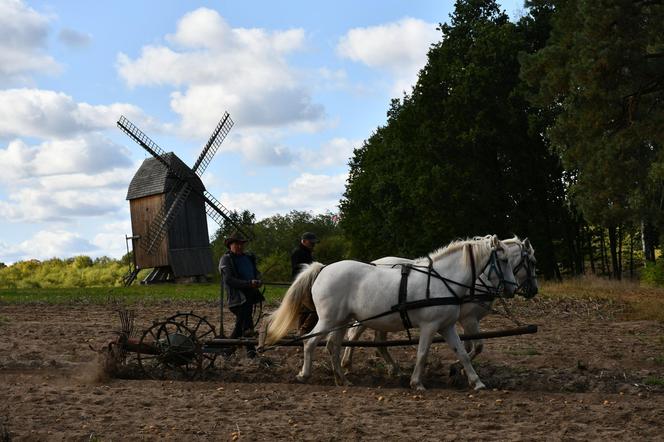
(525, 330)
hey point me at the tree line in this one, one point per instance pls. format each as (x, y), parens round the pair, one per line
(548, 127)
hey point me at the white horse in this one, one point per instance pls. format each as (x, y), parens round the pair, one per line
(350, 290)
(522, 259)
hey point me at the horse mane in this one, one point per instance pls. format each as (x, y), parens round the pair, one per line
(524, 243)
(481, 246)
(514, 240)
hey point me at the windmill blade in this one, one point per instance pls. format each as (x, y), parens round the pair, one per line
(143, 140)
(221, 214)
(146, 143)
(217, 137)
(164, 218)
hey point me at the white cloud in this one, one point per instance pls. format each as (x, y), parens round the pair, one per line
(23, 34)
(309, 192)
(64, 179)
(111, 239)
(38, 203)
(84, 155)
(48, 114)
(399, 47)
(334, 153)
(262, 148)
(47, 244)
(74, 39)
(220, 67)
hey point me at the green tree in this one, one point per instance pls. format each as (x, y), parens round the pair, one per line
(602, 75)
(277, 235)
(462, 154)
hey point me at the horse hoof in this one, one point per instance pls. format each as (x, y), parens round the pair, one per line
(417, 387)
(301, 379)
(479, 386)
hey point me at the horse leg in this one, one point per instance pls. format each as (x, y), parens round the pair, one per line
(334, 347)
(308, 351)
(471, 326)
(426, 337)
(353, 335)
(453, 341)
(393, 369)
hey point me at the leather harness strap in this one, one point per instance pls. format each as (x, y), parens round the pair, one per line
(472, 267)
(429, 276)
(402, 306)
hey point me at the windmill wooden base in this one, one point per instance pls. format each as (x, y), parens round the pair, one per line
(159, 275)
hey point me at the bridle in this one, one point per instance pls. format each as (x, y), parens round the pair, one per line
(490, 268)
(523, 289)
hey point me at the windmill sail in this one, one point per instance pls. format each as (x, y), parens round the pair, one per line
(221, 215)
(218, 135)
(143, 140)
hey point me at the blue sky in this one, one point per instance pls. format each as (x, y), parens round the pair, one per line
(305, 83)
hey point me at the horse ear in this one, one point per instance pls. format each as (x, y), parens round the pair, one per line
(495, 242)
(526, 243)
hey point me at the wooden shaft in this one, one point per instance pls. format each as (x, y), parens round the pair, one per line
(527, 329)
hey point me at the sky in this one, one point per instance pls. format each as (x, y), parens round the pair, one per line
(305, 83)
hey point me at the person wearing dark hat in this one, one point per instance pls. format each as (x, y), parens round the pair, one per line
(241, 280)
(301, 255)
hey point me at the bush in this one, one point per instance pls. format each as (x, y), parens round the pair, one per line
(276, 267)
(653, 273)
(332, 249)
(80, 271)
(82, 262)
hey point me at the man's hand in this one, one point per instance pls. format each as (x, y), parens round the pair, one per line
(255, 283)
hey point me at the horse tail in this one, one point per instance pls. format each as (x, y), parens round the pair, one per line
(298, 294)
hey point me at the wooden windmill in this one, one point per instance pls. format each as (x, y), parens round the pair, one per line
(168, 203)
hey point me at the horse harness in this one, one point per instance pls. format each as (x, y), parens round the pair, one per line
(486, 294)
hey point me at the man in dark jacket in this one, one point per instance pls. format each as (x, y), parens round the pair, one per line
(303, 254)
(241, 280)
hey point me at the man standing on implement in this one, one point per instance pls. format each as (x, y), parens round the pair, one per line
(303, 254)
(241, 281)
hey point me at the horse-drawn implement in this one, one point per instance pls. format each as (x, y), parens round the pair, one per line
(186, 345)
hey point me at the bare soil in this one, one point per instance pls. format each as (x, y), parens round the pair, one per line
(586, 375)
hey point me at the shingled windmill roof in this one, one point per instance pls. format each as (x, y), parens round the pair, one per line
(152, 178)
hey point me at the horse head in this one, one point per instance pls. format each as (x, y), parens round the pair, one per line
(497, 272)
(525, 270)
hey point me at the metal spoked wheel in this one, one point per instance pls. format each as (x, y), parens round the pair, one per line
(202, 329)
(169, 349)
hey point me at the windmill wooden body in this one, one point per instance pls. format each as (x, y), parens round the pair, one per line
(168, 204)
